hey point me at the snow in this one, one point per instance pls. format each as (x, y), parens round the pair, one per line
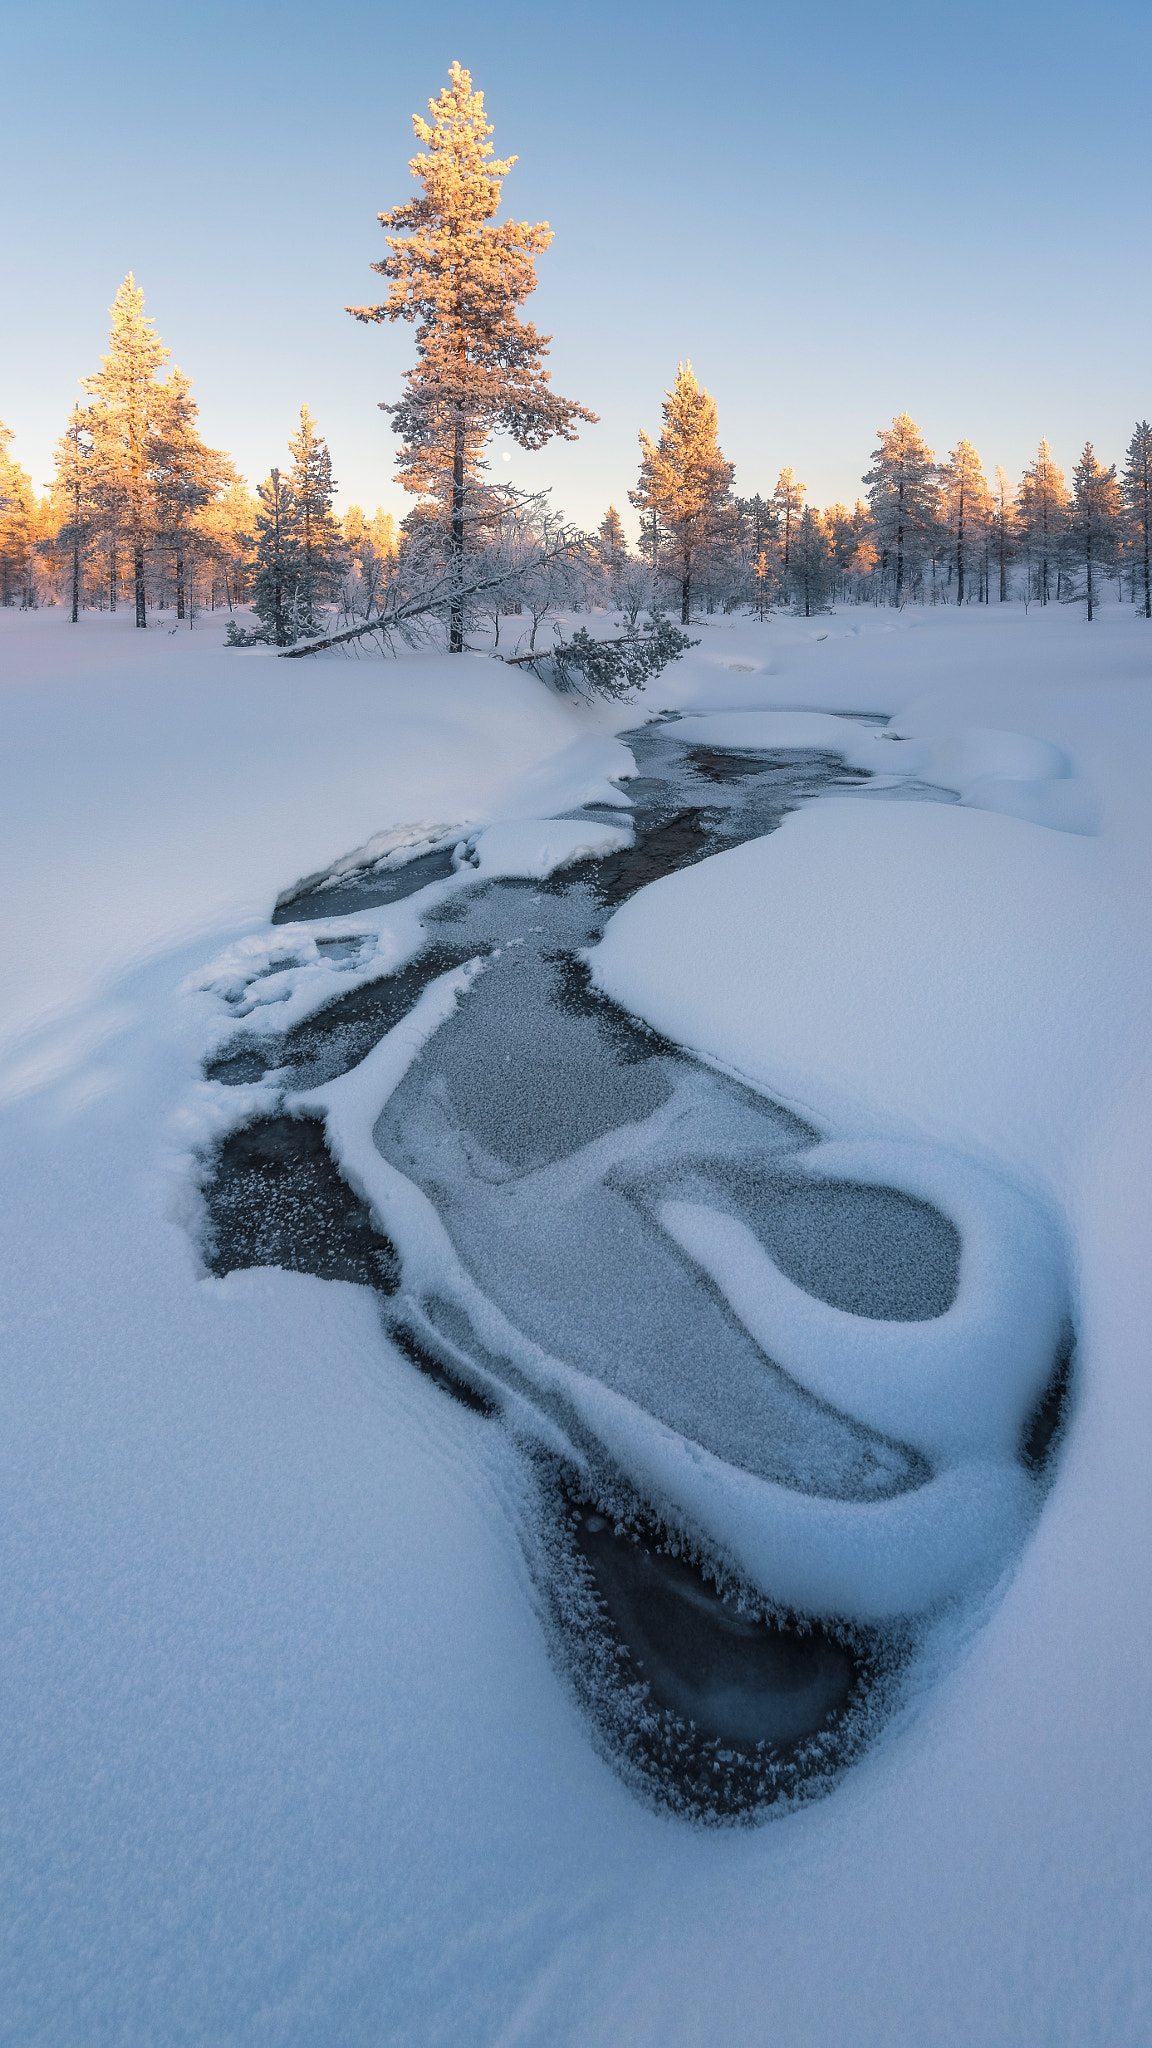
(285, 1758)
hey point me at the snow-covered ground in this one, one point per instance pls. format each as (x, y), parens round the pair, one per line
(284, 1756)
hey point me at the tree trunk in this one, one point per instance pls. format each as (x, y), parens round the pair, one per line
(960, 549)
(75, 580)
(1088, 560)
(1147, 580)
(138, 572)
(686, 590)
(179, 579)
(456, 619)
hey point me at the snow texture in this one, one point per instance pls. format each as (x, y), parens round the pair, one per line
(285, 1758)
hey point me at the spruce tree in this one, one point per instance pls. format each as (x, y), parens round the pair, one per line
(462, 281)
(318, 534)
(1094, 520)
(966, 505)
(810, 564)
(1043, 516)
(613, 546)
(1136, 484)
(902, 494)
(127, 418)
(279, 565)
(685, 481)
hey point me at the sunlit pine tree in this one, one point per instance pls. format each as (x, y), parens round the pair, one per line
(462, 281)
(127, 419)
(187, 476)
(1004, 522)
(17, 520)
(1042, 512)
(1136, 485)
(318, 535)
(73, 498)
(788, 499)
(902, 494)
(966, 505)
(685, 481)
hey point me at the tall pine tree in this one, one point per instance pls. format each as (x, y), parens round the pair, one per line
(73, 499)
(685, 482)
(788, 498)
(1094, 520)
(902, 494)
(1136, 484)
(127, 420)
(462, 280)
(967, 506)
(1043, 517)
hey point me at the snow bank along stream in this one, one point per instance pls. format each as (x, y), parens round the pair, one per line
(787, 1395)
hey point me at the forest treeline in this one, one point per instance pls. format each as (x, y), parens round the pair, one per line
(142, 512)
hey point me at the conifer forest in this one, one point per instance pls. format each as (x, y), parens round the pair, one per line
(142, 512)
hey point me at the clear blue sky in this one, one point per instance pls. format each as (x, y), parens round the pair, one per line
(836, 211)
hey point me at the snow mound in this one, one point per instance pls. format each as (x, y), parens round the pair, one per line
(535, 847)
(1014, 773)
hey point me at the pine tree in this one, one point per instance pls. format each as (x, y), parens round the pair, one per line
(966, 504)
(788, 499)
(187, 475)
(72, 493)
(1004, 519)
(17, 517)
(902, 493)
(1043, 516)
(684, 479)
(462, 281)
(1137, 489)
(318, 534)
(1095, 518)
(613, 544)
(127, 418)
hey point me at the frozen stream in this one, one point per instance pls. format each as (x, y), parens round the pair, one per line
(594, 1189)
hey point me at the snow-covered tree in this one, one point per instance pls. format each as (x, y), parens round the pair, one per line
(810, 566)
(685, 482)
(613, 546)
(77, 514)
(462, 280)
(128, 416)
(1094, 520)
(1042, 518)
(902, 495)
(319, 540)
(186, 477)
(1004, 525)
(279, 567)
(1136, 484)
(17, 524)
(966, 506)
(788, 500)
